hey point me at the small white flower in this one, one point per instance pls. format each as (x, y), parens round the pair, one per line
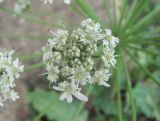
(109, 58)
(9, 71)
(68, 90)
(101, 77)
(80, 75)
(53, 72)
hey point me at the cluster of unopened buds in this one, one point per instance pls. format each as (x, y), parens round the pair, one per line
(83, 56)
(9, 71)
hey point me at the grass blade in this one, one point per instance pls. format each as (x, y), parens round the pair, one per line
(130, 14)
(144, 21)
(143, 50)
(86, 7)
(136, 11)
(130, 92)
(142, 67)
(123, 10)
(117, 87)
(30, 67)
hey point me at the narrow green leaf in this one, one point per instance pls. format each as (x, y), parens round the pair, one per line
(144, 21)
(30, 56)
(86, 7)
(130, 91)
(77, 9)
(117, 86)
(31, 67)
(123, 11)
(26, 37)
(130, 14)
(143, 50)
(115, 14)
(142, 67)
(30, 18)
(140, 8)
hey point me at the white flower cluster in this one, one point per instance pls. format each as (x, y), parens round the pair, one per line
(21, 6)
(9, 71)
(72, 61)
(51, 1)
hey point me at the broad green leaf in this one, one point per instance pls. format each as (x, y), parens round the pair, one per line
(138, 7)
(59, 110)
(30, 67)
(102, 101)
(122, 13)
(141, 93)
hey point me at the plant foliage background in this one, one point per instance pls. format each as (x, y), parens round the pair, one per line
(134, 94)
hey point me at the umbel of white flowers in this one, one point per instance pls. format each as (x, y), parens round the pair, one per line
(21, 6)
(51, 1)
(9, 72)
(76, 58)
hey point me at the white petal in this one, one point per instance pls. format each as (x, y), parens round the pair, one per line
(63, 96)
(57, 88)
(69, 98)
(105, 84)
(80, 96)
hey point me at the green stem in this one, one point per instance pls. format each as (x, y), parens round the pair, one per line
(30, 67)
(117, 85)
(74, 118)
(30, 56)
(129, 87)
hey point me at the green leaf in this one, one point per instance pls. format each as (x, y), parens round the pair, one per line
(144, 21)
(130, 91)
(30, 18)
(87, 8)
(59, 110)
(137, 9)
(141, 93)
(103, 101)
